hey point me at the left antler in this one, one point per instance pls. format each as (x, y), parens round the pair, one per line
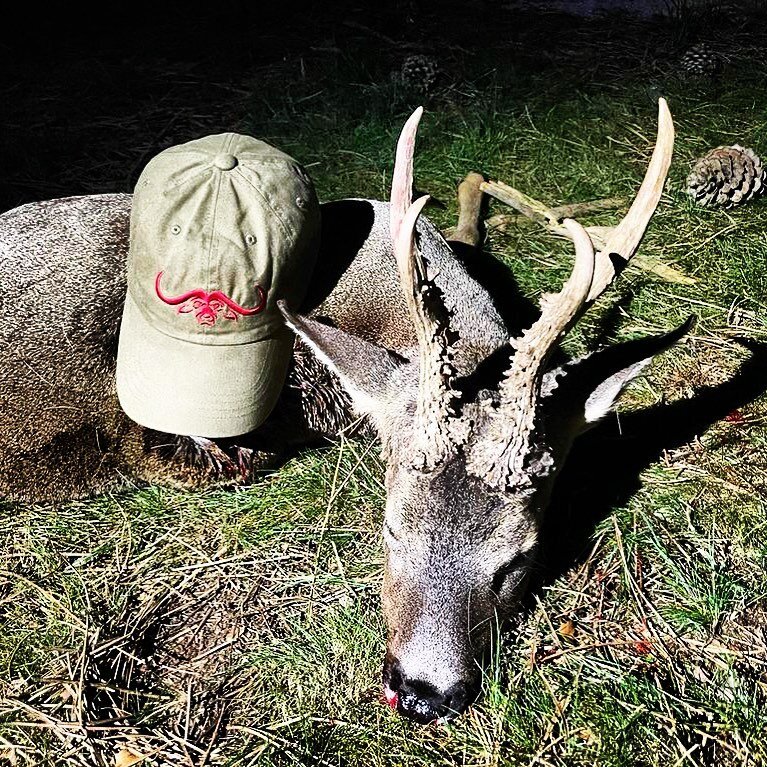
(504, 463)
(512, 426)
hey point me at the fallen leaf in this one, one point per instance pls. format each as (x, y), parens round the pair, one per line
(125, 758)
(588, 736)
(642, 647)
(567, 629)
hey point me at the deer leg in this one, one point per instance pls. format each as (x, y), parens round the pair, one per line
(467, 232)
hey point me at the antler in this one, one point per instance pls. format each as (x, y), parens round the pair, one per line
(625, 238)
(402, 181)
(507, 452)
(435, 433)
(508, 444)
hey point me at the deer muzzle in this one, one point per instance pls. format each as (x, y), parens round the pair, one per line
(422, 701)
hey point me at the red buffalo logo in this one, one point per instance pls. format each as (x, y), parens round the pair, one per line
(208, 306)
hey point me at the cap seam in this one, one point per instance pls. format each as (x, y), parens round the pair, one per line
(213, 249)
(287, 230)
(189, 177)
(214, 208)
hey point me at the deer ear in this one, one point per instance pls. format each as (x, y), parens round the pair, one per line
(367, 372)
(593, 384)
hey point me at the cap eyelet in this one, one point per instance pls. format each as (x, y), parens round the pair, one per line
(175, 229)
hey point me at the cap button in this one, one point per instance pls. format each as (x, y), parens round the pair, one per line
(225, 161)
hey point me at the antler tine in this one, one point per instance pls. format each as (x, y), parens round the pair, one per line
(558, 312)
(402, 179)
(410, 264)
(511, 428)
(435, 437)
(625, 238)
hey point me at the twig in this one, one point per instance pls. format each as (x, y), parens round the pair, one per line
(550, 218)
(213, 738)
(573, 210)
(527, 206)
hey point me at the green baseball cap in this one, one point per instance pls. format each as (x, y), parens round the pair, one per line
(221, 229)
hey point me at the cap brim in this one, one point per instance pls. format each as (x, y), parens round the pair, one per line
(179, 387)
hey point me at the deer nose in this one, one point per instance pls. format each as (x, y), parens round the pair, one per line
(421, 701)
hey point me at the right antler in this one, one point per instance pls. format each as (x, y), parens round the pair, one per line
(508, 449)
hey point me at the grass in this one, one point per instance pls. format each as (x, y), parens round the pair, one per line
(243, 628)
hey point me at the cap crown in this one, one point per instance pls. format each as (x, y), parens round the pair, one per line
(221, 228)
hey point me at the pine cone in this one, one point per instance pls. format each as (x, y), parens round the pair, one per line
(701, 60)
(418, 73)
(727, 176)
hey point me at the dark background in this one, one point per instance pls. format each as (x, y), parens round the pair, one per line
(89, 93)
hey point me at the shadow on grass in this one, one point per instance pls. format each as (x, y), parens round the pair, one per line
(604, 468)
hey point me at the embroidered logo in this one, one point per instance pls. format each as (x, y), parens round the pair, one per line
(208, 306)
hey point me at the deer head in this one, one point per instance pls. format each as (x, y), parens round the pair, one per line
(471, 456)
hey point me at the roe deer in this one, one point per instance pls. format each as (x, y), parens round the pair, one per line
(474, 423)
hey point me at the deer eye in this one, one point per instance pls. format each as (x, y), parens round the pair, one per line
(510, 568)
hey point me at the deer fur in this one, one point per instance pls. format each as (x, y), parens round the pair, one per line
(62, 284)
(394, 328)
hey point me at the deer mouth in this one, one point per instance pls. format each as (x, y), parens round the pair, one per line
(417, 709)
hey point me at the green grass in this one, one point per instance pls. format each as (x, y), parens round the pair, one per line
(666, 661)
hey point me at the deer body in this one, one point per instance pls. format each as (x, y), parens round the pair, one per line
(473, 419)
(62, 282)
